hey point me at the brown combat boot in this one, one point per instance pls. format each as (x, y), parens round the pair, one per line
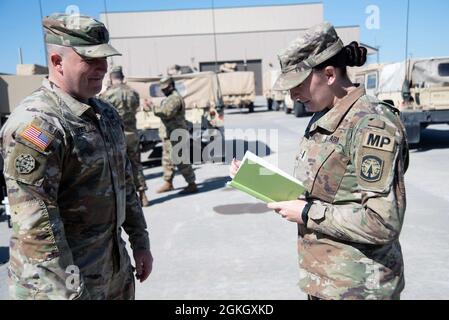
(167, 186)
(143, 199)
(191, 188)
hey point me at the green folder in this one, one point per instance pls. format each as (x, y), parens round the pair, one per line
(264, 181)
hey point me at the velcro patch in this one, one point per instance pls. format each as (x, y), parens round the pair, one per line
(376, 123)
(372, 168)
(25, 163)
(381, 141)
(37, 136)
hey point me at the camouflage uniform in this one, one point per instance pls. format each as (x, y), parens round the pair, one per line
(71, 192)
(126, 101)
(172, 114)
(352, 161)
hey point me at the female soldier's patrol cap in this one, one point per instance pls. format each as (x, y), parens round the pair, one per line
(87, 36)
(315, 46)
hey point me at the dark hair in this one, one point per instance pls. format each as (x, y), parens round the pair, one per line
(351, 55)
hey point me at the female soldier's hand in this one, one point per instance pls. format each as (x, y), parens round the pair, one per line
(235, 165)
(291, 210)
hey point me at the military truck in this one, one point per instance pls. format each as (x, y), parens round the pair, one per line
(419, 88)
(275, 98)
(204, 109)
(278, 100)
(238, 89)
(295, 107)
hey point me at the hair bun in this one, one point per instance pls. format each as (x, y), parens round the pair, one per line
(355, 55)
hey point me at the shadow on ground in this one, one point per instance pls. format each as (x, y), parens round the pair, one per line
(242, 208)
(4, 255)
(230, 149)
(153, 175)
(432, 139)
(257, 109)
(3, 216)
(205, 186)
(237, 148)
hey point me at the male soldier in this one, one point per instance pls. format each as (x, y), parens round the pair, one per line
(172, 113)
(126, 101)
(69, 179)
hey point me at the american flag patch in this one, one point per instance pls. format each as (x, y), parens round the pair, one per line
(37, 137)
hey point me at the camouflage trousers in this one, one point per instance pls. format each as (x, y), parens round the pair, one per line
(132, 149)
(168, 166)
(110, 286)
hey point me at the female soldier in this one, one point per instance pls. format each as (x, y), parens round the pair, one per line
(352, 161)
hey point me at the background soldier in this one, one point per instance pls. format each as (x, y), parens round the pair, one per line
(172, 113)
(126, 101)
(69, 179)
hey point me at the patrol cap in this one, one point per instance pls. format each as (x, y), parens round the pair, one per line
(165, 82)
(116, 69)
(87, 36)
(314, 47)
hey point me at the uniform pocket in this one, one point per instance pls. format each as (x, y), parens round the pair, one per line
(329, 169)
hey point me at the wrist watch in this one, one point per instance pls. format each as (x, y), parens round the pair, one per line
(305, 212)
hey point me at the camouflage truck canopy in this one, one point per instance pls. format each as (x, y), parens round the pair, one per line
(238, 88)
(429, 81)
(201, 93)
(30, 69)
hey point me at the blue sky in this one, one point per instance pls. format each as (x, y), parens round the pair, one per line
(429, 23)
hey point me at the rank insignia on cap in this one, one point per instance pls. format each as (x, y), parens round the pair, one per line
(371, 169)
(25, 163)
(37, 136)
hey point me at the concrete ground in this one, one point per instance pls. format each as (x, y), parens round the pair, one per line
(223, 244)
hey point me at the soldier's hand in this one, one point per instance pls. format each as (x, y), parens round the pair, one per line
(235, 165)
(290, 210)
(144, 263)
(147, 105)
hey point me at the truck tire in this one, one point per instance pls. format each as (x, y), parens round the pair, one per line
(251, 107)
(413, 133)
(270, 104)
(299, 109)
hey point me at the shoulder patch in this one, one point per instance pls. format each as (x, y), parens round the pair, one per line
(376, 123)
(378, 140)
(25, 163)
(37, 136)
(371, 168)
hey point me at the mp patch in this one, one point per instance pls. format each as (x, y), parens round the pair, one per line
(371, 169)
(380, 141)
(25, 163)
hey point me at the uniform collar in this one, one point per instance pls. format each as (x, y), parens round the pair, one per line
(333, 117)
(77, 107)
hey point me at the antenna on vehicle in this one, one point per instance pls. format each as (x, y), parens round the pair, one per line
(43, 34)
(406, 94)
(107, 24)
(215, 35)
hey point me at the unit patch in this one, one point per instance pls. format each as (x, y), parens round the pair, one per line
(25, 163)
(371, 169)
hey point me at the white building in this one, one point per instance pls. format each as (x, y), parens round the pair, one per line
(151, 41)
